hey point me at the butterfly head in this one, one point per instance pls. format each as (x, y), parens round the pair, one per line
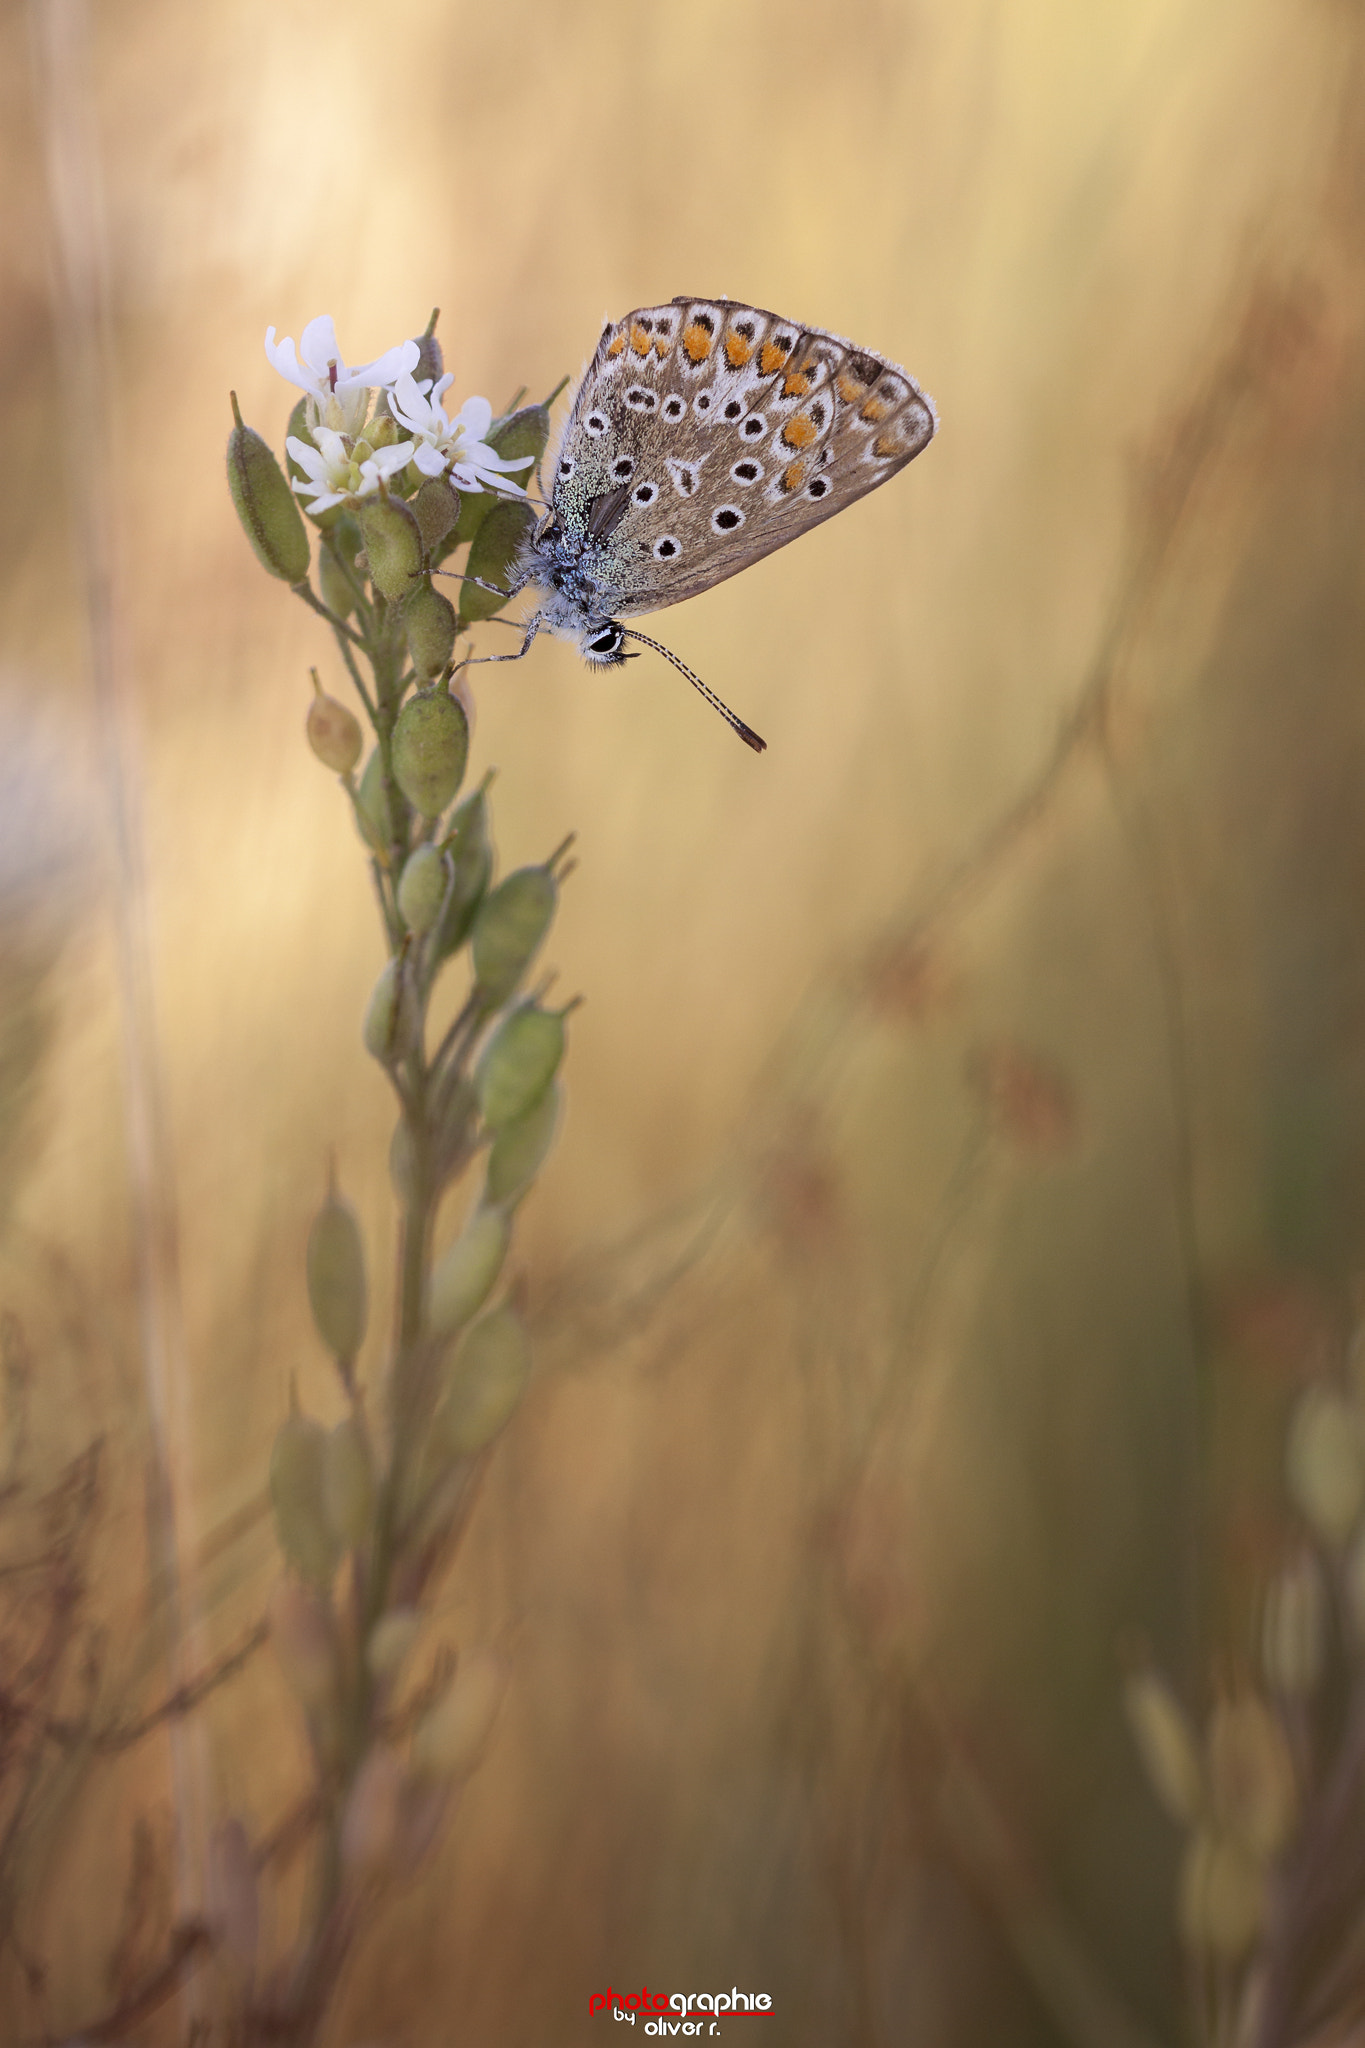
(603, 645)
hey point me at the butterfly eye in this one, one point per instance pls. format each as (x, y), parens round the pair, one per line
(605, 643)
(665, 549)
(624, 469)
(726, 518)
(596, 423)
(644, 494)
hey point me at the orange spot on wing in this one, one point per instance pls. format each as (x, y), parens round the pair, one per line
(792, 475)
(639, 340)
(661, 346)
(615, 347)
(737, 350)
(771, 358)
(875, 409)
(800, 432)
(795, 384)
(888, 444)
(848, 387)
(697, 342)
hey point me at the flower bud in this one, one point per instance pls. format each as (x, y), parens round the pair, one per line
(464, 1275)
(429, 623)
(487, 1378)
(1252, 1794)
(393, 545)
(497, 546)
(451, 1739)
(422, 889)
(232, 1903)
(471, 863)
(520, 1148)
(521, 433)
(382, 432)
(392, 1024)
(296, 1464)
(266, 506)
(369, 1825)
(337, 1291)
(436, 509)
(519, 1063)
(333, 731)
(430, 355)
(1166, 1744)
(392, 1641)
(1294, 1628)
(348, 1483)
(430, 748)
(372, 811)
(1223, 1897)
(511, 923)
(301, 1635)
(1325, 1462)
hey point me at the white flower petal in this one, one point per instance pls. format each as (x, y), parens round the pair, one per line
(385, 369)
(281, 357)
(318, 347)
(429, 460)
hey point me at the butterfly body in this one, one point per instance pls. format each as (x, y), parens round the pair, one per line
(703, 435)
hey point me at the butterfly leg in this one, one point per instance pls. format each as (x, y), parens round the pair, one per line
(473, 660)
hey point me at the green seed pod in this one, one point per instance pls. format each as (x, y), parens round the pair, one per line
(333, 731)
(430, 748)
(336, 1277)
(454, 1136)
(471, 864)
(393, 545)
(520, 1148)
(392, 1641)
(334, 585)
(348, 1483)
(521, 433)
(1252, 1792)
(302, 1638)
(450, 1740)
(266, 506)
(1166, 1744)
(1325, 1462)
(493, 556)
(429, 623)
(1223, 1897)
(518, 1064)
(512, 921)
(372, 812)
(464, 1275)
(296, 1466)
(487, 1378)
(436, 508)
(422, 889)
(392, 1019)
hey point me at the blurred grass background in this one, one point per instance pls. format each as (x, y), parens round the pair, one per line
(969, 1095)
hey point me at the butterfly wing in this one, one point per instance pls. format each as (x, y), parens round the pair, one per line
(705, 434)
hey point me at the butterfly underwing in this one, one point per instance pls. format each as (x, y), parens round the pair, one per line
(703, 435)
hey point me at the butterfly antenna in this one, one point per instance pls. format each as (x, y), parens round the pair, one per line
(746, 732)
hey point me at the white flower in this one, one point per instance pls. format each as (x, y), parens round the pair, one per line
(333, 471)
(339, 394)
(455, 445)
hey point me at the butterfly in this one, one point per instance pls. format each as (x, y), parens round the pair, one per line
(703, 435)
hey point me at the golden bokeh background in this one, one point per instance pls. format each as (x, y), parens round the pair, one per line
(943, 1075)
